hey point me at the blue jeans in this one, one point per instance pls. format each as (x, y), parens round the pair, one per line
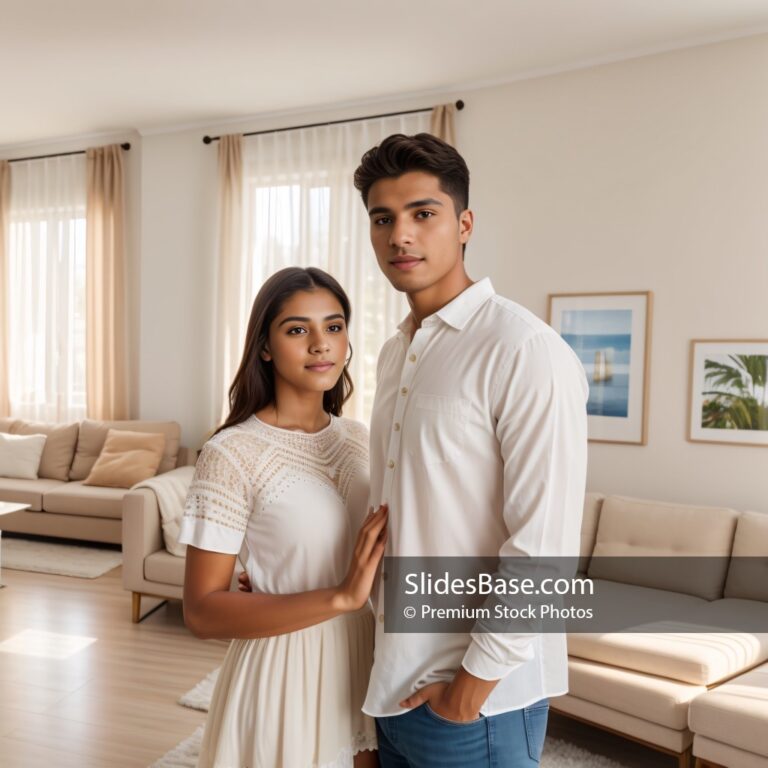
(422, 739)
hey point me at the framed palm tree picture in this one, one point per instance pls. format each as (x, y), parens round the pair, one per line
(729, 392)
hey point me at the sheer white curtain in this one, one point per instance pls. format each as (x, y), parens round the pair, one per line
(300, 208)
(46, 303)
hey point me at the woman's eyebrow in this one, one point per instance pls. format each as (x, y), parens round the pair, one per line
(296, 319)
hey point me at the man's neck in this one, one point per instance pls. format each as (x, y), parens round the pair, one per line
(433, 299)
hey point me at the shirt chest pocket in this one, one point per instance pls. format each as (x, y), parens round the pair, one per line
(436, 428)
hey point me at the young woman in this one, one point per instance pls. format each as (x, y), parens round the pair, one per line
(288, 476)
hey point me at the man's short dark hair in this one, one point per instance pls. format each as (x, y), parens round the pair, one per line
(399, 154)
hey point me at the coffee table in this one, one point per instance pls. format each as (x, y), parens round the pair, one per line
(6, 508)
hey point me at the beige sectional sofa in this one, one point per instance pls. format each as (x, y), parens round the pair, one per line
(59, 504)
(663, 688)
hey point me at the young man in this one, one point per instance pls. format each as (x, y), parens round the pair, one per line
(478, 445)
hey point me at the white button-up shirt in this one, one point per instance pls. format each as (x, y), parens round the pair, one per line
(479, 446)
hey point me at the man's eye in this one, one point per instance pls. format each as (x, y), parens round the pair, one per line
(382, 220)
(425, 214)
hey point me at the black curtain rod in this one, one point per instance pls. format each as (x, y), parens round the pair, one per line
(209, 139)
(126, 145)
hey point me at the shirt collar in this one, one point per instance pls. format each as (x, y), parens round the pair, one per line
(457, 312)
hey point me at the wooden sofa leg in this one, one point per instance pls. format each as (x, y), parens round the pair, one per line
(685, 759)
(136, 607)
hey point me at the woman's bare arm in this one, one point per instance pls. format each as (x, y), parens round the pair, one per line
(212, 611)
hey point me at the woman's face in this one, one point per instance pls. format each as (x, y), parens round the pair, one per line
(308, 341)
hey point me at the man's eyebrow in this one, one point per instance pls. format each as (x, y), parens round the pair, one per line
(296, 319)
(415, 204)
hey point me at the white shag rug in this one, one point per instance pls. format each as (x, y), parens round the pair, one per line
(557, 753)
(20, 554)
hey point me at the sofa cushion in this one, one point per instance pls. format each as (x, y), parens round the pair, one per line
(630, 529)
(638, 604)
(748, 570)
(74, 498)
(702, 658)
(127, 458)
(592, 504)
(20, 455)
(164, 568)
(7, 424)
(736, 712)
(26, 491)
(93, 434)
(725, 754)
(646, 696)
(59, 446)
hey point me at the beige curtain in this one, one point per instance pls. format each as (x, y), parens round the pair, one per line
(441, 123)
(106, 326)
(232, 299)
(5, 210)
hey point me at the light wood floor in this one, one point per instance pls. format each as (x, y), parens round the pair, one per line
(113, 703)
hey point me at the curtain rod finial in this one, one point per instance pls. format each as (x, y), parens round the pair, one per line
(126, 145)
(459, 105)
(207, 139)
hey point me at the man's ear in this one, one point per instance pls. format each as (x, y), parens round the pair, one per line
(466, 224)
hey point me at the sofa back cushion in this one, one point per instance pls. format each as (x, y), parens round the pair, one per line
(59, 450)
(94, 433)
(630, 529)
(748, 571)
(592, 504)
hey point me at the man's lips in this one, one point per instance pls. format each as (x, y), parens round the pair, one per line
(320, 367)
(405, 262)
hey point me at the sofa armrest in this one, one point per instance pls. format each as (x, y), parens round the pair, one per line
(187, 457)
(142, 534)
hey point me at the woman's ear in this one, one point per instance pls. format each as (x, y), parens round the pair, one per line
(265, 354)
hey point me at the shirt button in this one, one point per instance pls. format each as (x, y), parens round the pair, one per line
(381, 618)
(391, 464)
(397, 427)
(412, 358)
(404, 391)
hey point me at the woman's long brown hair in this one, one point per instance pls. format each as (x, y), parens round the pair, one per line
(253, 387)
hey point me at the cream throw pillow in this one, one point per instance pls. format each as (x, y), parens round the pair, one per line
(127, 458)
(20, 455)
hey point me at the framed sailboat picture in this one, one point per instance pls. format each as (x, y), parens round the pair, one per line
(611, 335)
(729, 391)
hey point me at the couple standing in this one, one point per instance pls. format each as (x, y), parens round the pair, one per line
(477, 448)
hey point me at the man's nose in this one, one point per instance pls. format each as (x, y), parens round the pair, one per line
(401, 234)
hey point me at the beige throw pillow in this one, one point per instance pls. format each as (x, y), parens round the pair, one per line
(127, 458)
(20, 456)
(93, 434)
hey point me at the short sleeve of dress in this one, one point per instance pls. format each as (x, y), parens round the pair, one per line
(218, 504)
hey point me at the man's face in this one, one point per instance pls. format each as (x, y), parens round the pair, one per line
(416, 233)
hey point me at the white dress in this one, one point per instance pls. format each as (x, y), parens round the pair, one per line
(297, 500)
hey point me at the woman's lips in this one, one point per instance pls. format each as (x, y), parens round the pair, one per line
(320, 367)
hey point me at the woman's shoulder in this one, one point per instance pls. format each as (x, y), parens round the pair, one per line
(235, 439)
(353, 429)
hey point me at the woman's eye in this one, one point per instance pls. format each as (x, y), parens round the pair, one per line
(296, 331)
(336, 328)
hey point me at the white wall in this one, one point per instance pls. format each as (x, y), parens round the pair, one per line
(650, 174)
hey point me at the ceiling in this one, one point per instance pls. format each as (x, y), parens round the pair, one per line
(98, 66)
